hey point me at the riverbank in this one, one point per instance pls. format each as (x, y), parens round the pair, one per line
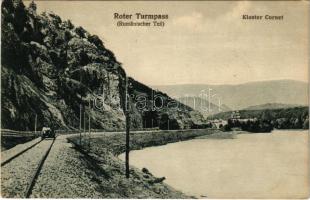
(222, 135)
(253, 165)
(102, 151)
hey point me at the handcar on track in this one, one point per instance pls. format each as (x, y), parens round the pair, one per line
(47, 133)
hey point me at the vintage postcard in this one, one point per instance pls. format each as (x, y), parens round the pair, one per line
(155, 99)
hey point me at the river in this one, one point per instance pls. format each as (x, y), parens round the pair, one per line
(261, 165)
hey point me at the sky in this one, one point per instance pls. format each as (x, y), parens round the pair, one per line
(202, 42)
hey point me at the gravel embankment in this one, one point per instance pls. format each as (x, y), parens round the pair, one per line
(66, 174)
(16, 175)
(69, 173)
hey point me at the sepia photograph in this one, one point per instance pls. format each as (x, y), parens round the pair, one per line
(177, 99)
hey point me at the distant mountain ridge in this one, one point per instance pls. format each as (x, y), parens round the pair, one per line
(270, 106)
(247, 94)
(203, 106)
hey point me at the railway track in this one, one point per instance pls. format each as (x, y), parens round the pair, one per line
(37, 171)
(20, 172)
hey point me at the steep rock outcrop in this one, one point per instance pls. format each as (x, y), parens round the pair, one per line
(55, 71)
(159, 110)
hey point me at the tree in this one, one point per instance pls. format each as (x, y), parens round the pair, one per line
(33, 7)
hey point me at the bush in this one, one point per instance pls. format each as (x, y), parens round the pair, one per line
(225, 128)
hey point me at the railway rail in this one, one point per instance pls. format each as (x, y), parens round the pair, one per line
(19, 153)
(28, 178)
(37, 171)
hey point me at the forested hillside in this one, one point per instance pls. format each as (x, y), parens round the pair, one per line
(284, 118)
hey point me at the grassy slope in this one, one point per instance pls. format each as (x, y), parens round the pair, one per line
(105, 148)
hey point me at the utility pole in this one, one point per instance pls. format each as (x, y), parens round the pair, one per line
(89, 132)
(127, 107)
(84, 122)
(158, 122)
(35, 124)
(80, 124)
(80, 111)
(89, 127)
(168, 124)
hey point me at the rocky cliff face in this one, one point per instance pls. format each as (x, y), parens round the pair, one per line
(55, 71)
(157, 109)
